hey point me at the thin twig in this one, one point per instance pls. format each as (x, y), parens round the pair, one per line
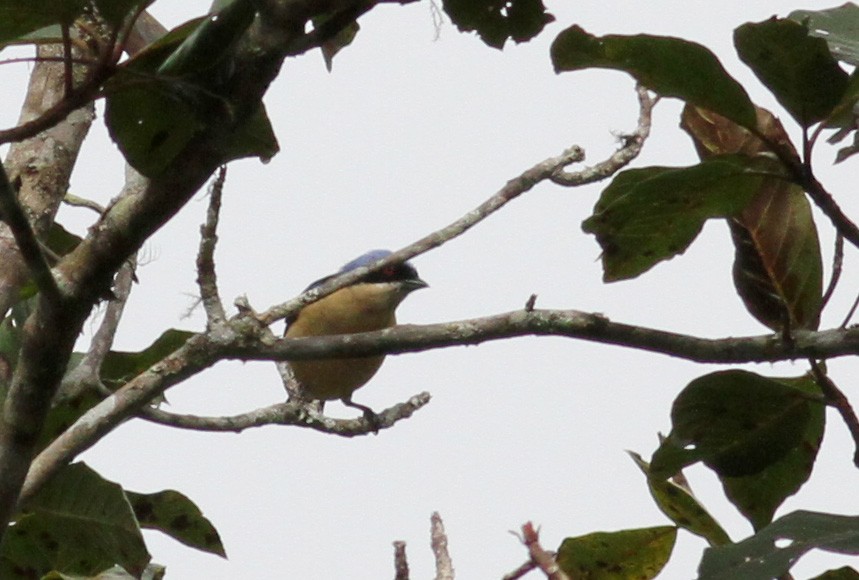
(73, 100)
(850, 312)
(293, 413)
(443, 563)
(801, 173)
(552, 168)
(25, 237)
(519, 572)
(837, 265)
(513, 189)
(632, 145)
(87, 372)
(75, 201)
(836, 398)
(206, 276)
(543, 559)
(401, 564)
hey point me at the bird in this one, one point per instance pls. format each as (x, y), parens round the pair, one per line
(366, 305)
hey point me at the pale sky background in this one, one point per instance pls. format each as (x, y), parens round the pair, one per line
(404, 136)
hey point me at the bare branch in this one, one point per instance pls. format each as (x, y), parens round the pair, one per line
(543, 559)
(443, 563)
(837, 264)
(294, 413)
(80, 96)
(40, 167)
(592, 327)
(207, 280)
(25, 237)
(513, 189)
(632, 145)
(75, 201)
(521, 571)
(836, 398)
(401, 564)
(824, 200)
(86, 373)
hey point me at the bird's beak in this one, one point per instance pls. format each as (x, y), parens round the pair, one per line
(414, 284)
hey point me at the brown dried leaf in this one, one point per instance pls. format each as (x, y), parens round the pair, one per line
(777, 265)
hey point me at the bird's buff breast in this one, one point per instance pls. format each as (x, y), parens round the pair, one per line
(336, 314)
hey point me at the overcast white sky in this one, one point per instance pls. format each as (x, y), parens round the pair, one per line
(403, 137)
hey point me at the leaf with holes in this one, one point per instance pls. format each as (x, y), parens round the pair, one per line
(838, 26)
(778, 269)
(177, 516)
(736, 422)
(79, 523)
(771, 552)
(496, 21)
(652, 214)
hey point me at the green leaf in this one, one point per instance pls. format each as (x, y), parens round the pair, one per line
(211, 42)
(117, 11)
(153, 55)
(639, 554)
(839, 27)
(735, 421)
(340, 41)
(253, 137)
(758, 496)
(152, 122)
(78, 523)
(773, 550)
(60, 241)
(648, 215)
(796, 67)
(51, 34)
(660, 63)
(18, 19)
(177, 516)
(495, 21)
(844, 573)
(119, 367)
(65, 412)
(681, 506)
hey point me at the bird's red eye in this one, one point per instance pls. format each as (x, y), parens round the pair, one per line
(389, 271)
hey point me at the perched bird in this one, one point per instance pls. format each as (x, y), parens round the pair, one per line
(366, 305)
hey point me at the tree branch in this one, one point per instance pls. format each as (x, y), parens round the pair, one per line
(591, 327)
(242, 338)
(401, 563)
(40, 167)
(836, 398)
(86, 373)
(25, 237)
(543, 559)
(207, 280)
(513, 189)
(552, 168)
(632, 145)
(438, 541)
(294, 413)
